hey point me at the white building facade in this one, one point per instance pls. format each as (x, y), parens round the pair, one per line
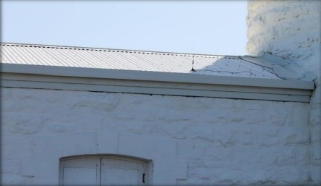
(74, 115)
(289, 31)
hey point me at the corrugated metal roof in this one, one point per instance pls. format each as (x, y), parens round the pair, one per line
(103, 58)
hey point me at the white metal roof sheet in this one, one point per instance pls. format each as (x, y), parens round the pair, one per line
(33, 54)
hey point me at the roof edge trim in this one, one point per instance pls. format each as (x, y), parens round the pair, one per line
(154, 76)
(152, 83)
(117, 49)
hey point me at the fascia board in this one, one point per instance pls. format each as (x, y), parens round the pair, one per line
(121, 81)
(154, 76)
(153, 84)
(157, 91)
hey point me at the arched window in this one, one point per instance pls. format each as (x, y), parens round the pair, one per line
(103, 170)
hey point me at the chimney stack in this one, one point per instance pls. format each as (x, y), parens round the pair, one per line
(286, 29)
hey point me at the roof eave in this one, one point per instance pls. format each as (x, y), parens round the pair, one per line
(145, 82)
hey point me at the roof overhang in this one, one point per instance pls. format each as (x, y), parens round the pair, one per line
(157, 83)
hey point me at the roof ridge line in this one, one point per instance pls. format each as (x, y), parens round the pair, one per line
(113, 49)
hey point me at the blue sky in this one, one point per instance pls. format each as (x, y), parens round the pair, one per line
(208, 27)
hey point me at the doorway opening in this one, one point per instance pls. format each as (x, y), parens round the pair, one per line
(104, 170)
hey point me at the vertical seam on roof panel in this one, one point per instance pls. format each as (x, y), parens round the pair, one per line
(161, 62)
(203, 62)
(104, 60)
(52, 61)
(13, 56)
(75, 57)
(39, 57)
(108, 59)
(52, 52)
(101, 61)
(131, 62)
(112, 56)
(183, 61)
(18, 53)
(65, 59)
(27, 52)
(5, 55)
(50, 55)
(87, 59)
(71, 58)
(149, 66)
(135, 59)
(137, 56)
(49, 58)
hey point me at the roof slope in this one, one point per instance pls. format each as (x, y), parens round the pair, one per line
(233, 66)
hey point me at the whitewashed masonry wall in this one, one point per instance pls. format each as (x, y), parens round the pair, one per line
(288, 32)
(190, 140)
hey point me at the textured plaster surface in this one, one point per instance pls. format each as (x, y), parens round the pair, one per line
(287, 29)
(190, 140)
(287, 33)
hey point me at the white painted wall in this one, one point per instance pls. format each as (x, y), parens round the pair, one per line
(287, 29)
(190, 140)
(288, 33)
